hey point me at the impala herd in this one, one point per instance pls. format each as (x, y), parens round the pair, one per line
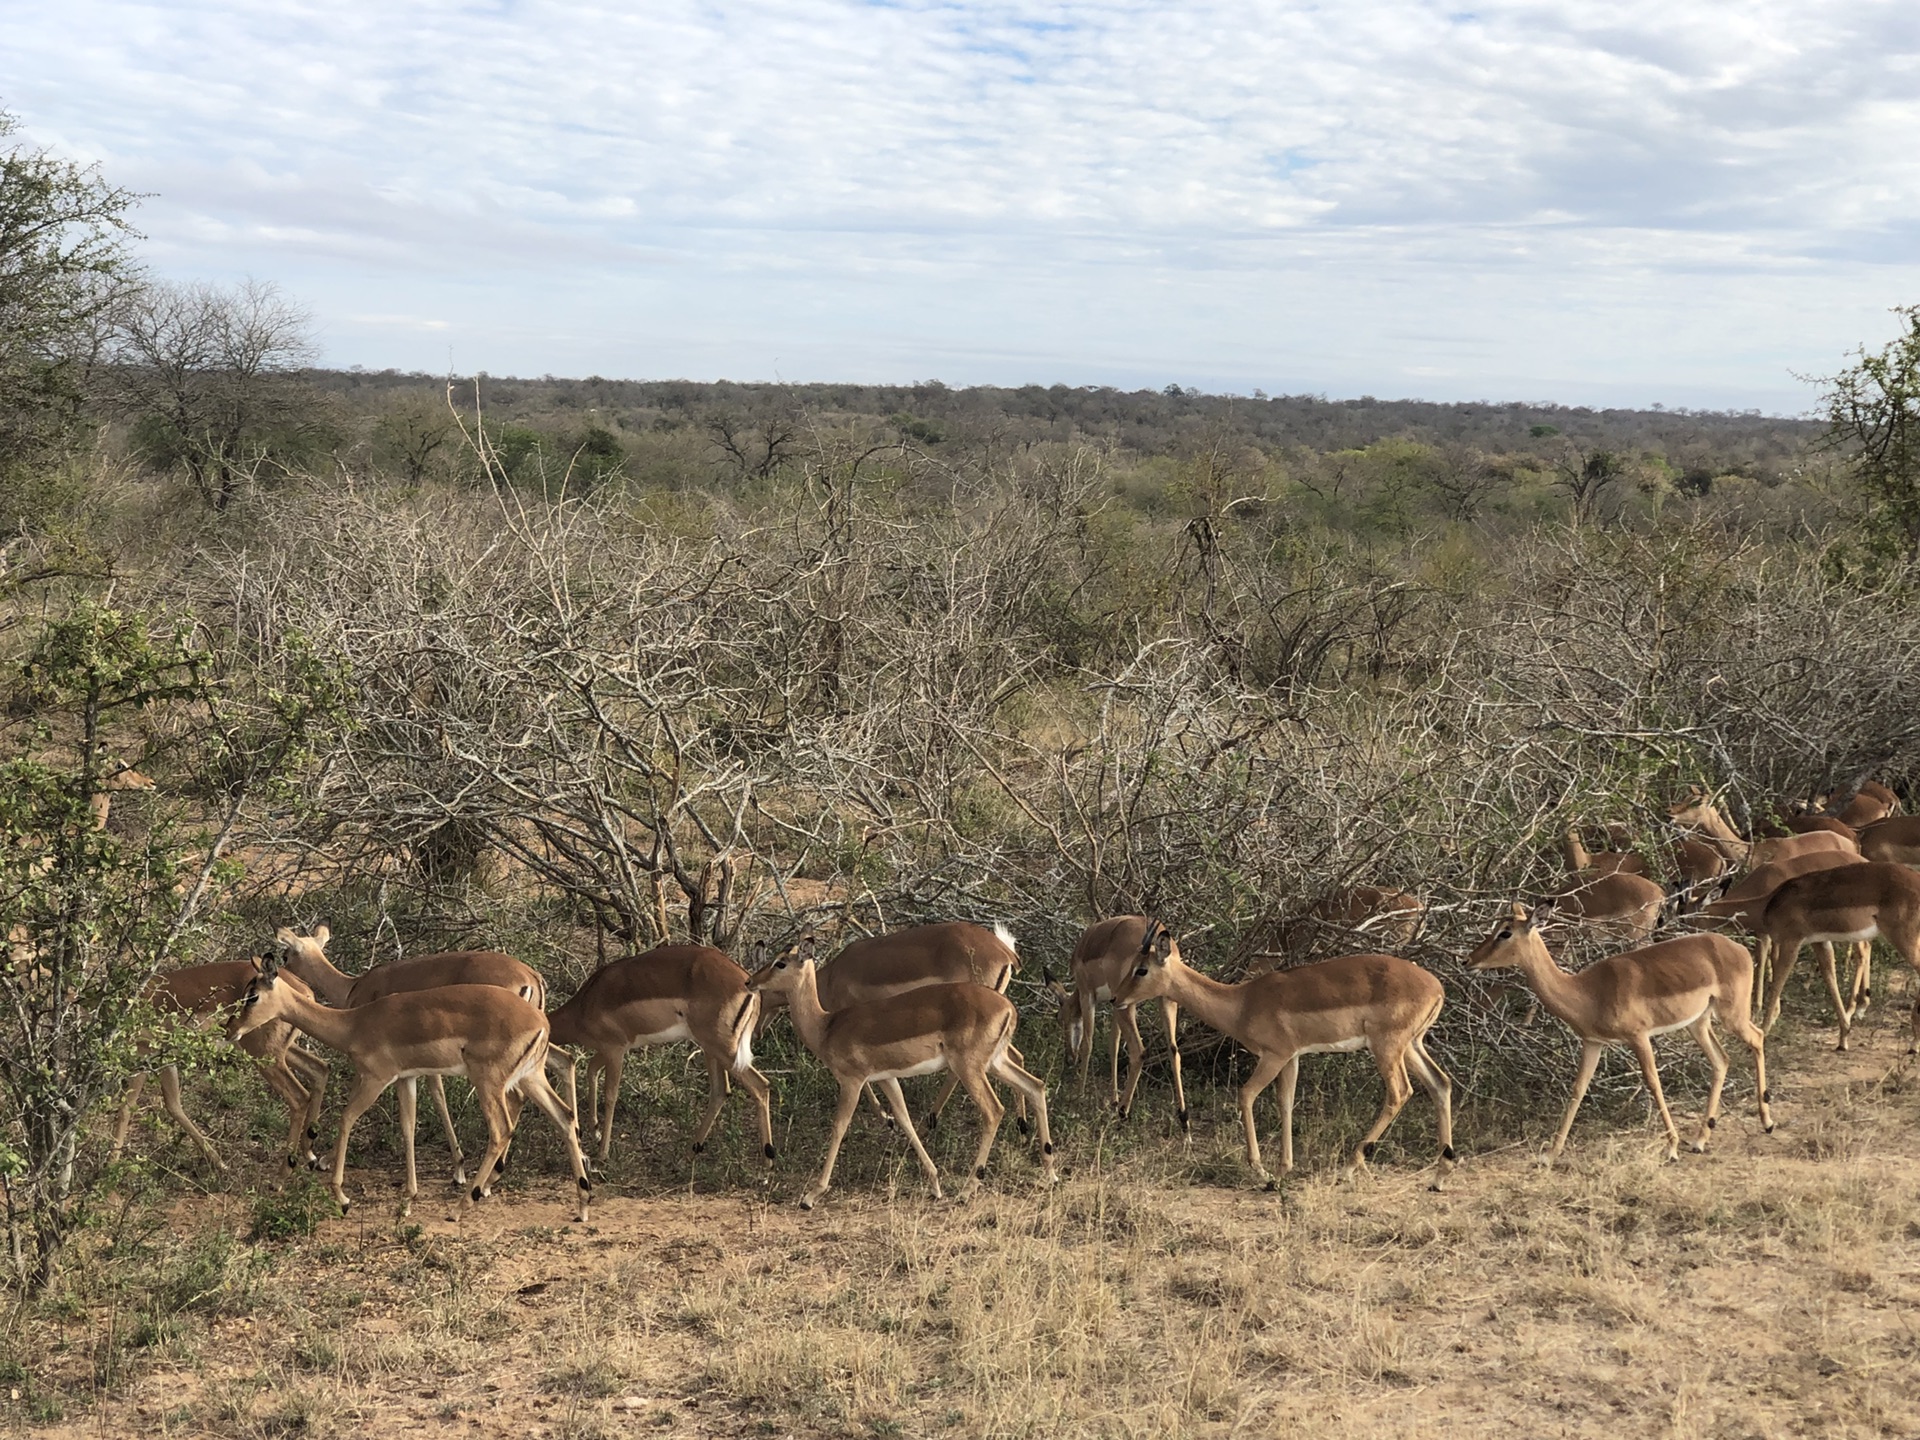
(933, 999)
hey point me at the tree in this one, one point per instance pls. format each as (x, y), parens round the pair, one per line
(1873, 411)
(205, 371)
(63, 263)
(1586, 475)
(411, 431)
(87, 914)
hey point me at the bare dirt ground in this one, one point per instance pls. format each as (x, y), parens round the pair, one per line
(1770, 1288)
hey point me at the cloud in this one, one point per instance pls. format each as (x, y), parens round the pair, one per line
(1235, 191)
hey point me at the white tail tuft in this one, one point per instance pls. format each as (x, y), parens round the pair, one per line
(743, 1047)
(1005, 936)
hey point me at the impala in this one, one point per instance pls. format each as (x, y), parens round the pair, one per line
(306, 956)
(1372, 910)
(1870, 803)
(1874, 899)
(1740, 908)
(1697, 812)
(1697, 863)
(879, 966)
(963, 1028)
(670, 994)
(199, 993)
(1105, 953)
(490, 1035)
(1622, 905)
(1631, 997)
(1582, 862)
(119, 778)
(1379, 1003)
(1896, 838)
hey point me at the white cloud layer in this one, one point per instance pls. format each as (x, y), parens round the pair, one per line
(1626, 202)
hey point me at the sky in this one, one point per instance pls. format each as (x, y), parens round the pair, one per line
(1689, 202)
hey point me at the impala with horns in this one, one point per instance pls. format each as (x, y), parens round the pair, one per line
(1874, 899)
(1629, 998)
(953, 952)
(670, 994)
(964, 1028)
(198, 994)
(1378, 1003)
(1696, 812)
(1106, 951)
(306, 956)
(490, 1035)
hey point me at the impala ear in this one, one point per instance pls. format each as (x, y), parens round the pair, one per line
(268, 966)
(284, 938)
(1162, 943)
(321, 934)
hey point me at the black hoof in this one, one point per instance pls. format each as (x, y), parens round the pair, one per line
(1447, 1154)
(476, 1194)
(1366, 1151)
(981, 1173)
(293, 1162)
(312, 1133)
(1272, 1184)
(770, 1152)
(1181, 1116)
(698, 1146)
(1047, 1148)
(586, 1185)
(1022, 1125)
(932, 1122)
(1769, 1129)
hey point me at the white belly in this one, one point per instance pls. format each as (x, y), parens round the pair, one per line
(1357, 1042)
(925, 1067)
(672, 1035)
(1682, 1024)
(1103, 993)
(1845, 936)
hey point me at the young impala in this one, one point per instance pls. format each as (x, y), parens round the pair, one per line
(490, 1035)
(1629, 998)
(1100, 962)
(1378, 1003)
(963, 1028)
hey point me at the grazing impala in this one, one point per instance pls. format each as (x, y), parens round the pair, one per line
(1583, 863)
(671, 993)
(964, 1028)
(1629, 998)
(1854, 902)
(1739, 910)
(1871, 803)
(199, 993)
(490, 1035)
(306, 956)
(1105, 953)
(1697, 813)
(1378, 1003)
(1896, 839)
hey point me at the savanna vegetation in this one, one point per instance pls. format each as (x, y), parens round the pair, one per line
(567, 668)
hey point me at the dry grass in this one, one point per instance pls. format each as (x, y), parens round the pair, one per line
(1766, 1289)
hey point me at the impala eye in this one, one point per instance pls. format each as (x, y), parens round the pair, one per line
(1141, 973)
(1506, 934)
(779, 964)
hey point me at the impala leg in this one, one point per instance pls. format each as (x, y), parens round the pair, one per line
(898, 1100)
(1782, 958)
(534, 1087)
(992, 1112)
(1289, 1081)
(1019, 1099)
(170, 1097)
(1129, 1018)
(755, 1084)
(366, 1090)
(409, 1114)
(1263, 1076)
(516, 1100)
(126, 1116)
(1393, 1071)
(1829, 971)
(1113, 1053)
(493, 1108)
(1589, 1062)
(947, 1087)
(1862, 974)
(1738, 1021)
(313, 1074)
(873, 1098)
(716, 1098)
(1170, 1009)
(1024, 1082)
(613, 1066)
(439, 1085)
(1717, 1057)
(1439, 1086)
(284, 1083)
(1650, 1072)
(842, 1118)
(1082, 1032)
